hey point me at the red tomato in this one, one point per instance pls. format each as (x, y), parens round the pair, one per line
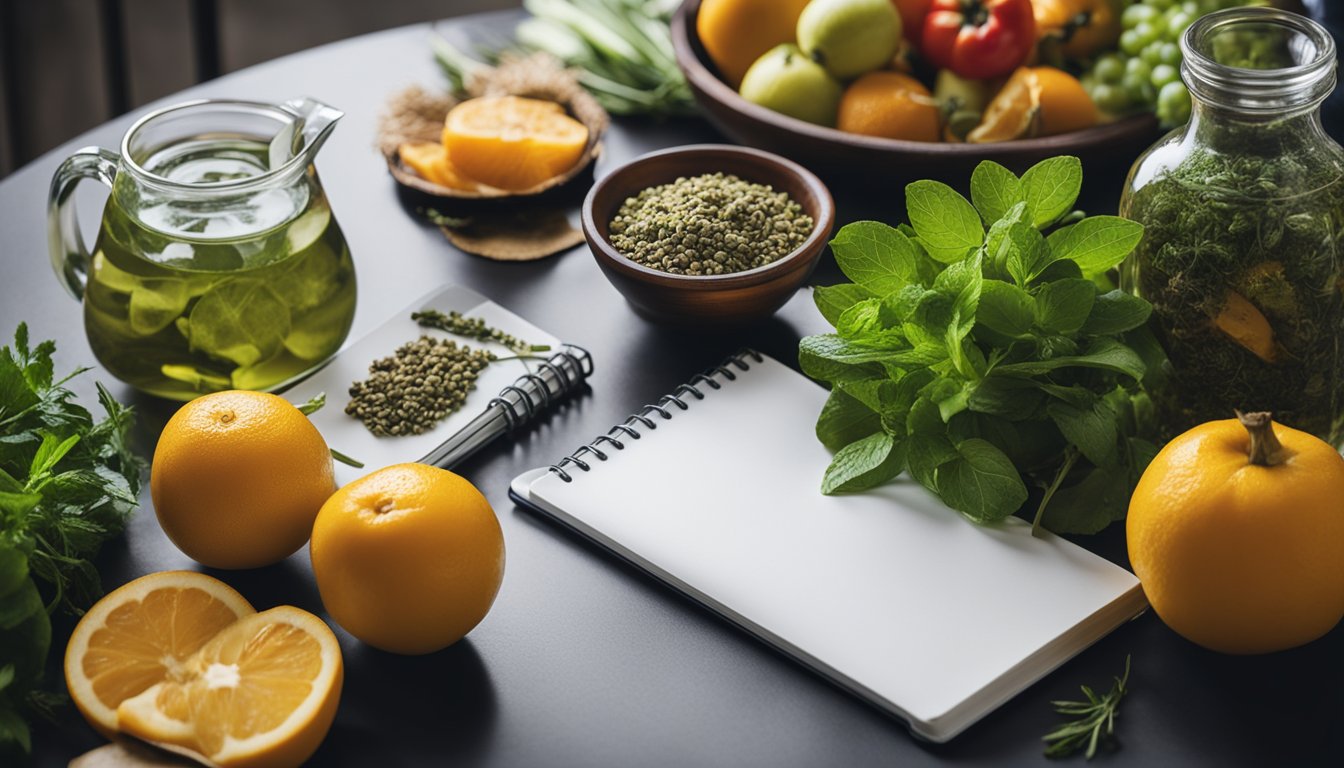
(979, 39)
(912, 17)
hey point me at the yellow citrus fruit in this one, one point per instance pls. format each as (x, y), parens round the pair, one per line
(261, 693)
(1237, 533)
(430, 160)
(512, 142)
(890, 105)
(141, 634)
(736, 33)
(408, 558)
(1036, 101)
(238, 477)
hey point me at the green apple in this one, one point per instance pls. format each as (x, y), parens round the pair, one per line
(787, 81)
(850, 37)
(963, 101)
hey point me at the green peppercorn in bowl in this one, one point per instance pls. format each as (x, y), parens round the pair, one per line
(709, 234)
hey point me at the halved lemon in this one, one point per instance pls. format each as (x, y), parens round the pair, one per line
(262, 693)
(140, 634)
(512, 142)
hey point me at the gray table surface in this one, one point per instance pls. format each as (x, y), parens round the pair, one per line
(584, 661)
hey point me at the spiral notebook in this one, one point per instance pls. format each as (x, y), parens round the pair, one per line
(714, 490)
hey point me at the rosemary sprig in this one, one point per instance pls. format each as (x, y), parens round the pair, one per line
(1093, 724)
(473, 328)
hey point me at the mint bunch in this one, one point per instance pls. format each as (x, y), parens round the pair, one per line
(983, 349)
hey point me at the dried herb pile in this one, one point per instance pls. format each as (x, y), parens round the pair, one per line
(1241, 259)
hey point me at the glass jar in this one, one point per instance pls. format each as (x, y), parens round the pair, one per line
(1243, 214)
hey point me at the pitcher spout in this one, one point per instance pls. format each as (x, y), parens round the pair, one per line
(313, 123)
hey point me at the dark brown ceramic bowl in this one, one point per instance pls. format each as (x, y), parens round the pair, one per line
(851, 157)
(711, 300)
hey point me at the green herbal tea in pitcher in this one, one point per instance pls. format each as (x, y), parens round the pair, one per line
(218, 264)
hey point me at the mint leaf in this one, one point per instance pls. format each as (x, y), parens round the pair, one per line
(1005, 308)
(869, 392)
(947, 224)
(844, 420)
(994, 190)
(1007, 397)
(20, 604)
(832, 300)
(1116, 312)
(961, 282)
(862, 465)
(981, 483)
(1051, 188)
(1092, 429)
(1099, 499)
(875, 256)
(1096, 243)
(1063, 306)
(1105, 354)
(14, 729)
(13, 569)
(927, 447)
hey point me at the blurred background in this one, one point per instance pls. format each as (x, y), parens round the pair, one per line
(69, 65)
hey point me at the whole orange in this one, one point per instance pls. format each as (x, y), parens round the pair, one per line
(408, 558)
(736, 32)
(238, 477)
(1065, 104)
(1236, 531)
(890, 105)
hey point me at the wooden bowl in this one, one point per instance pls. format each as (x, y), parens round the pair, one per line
(852, 157)
(710, 300)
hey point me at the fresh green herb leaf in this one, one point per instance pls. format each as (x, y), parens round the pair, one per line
(878, 258)
(948, 225)
(1097, 243)
(1051, 188)
(845, 420)
(1093, 721)
(832, 300)
(1063, 306)
(1008, 397)
(995, 190)
(981, 482)
(14, 729)
(1106, 354)
(862, 465)
(1116, 312)
(1092, 429)
(314, 404)
(1005, 308)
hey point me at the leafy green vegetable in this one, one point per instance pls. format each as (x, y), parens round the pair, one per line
(980, 353)
(67, 484)
(1093, 723)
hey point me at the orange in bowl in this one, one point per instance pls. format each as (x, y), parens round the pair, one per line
(890, 105)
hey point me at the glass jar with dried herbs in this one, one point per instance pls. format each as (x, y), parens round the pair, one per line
(1243, 214)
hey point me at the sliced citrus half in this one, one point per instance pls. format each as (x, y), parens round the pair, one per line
(512, 142)
(1014, 112)
(261, 693)
(430, 161)
(140, 634)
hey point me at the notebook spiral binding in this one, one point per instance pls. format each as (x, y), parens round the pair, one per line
(663, 408)
(562, 373)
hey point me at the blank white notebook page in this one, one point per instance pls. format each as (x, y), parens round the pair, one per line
(888, 591)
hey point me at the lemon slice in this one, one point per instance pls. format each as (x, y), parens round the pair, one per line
(512, 142)
(142, 633)
(261, 693)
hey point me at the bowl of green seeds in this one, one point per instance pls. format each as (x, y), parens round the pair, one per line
(708, 235)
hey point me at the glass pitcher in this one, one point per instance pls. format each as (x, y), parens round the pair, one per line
(1243, 214)
(218, 263)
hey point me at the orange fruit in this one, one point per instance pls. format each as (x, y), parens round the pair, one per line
(736, 33)
(139, 635)
(1035, 101)
(1065, 104)
(430, 160)
(261, 693)
(890, 105)
(512, 142)
(408, 558)
(238, 477)
(1237, 534)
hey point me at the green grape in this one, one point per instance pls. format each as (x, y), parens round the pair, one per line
(1176, 24)
(1134, 14)
(1111, 98)
(1148, 32)
(1170, 53)
(1163, 74)
(1160, 5)
(1138, 69)
(1130, 42)
(1173, 104)
(1152, 55)
(1110, 68)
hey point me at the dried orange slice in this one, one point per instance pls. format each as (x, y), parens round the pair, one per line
(430, 160)
(261, 693)
(512, 142)
(140, 634)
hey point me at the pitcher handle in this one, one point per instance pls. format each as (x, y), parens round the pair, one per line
(69, 255)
